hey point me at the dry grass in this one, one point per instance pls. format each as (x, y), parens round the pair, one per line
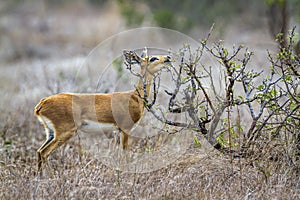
(199, 174)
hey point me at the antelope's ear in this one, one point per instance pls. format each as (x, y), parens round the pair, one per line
(131, 57)
(145, 53)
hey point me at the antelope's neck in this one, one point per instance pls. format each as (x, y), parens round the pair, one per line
(144, 85)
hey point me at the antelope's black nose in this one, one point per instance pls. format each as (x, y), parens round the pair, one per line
(168, 59)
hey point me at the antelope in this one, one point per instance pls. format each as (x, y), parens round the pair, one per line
(62, 115)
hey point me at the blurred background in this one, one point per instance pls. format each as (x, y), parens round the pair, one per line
(40, 29)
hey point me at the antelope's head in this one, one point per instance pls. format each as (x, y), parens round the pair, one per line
(151, 64)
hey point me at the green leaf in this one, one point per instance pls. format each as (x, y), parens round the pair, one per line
(197, 142)
(260, 87)
(225, 51)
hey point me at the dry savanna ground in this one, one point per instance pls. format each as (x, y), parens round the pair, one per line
(47, 64)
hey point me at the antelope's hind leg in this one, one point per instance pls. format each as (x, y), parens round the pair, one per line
(41, 157)
(52, 143)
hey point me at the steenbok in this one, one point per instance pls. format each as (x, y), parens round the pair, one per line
(64, 114)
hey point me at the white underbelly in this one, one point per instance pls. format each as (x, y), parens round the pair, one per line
(94, 127)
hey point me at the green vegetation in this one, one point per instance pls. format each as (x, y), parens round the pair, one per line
(184, 15)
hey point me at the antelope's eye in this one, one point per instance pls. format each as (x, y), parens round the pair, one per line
(153, 59)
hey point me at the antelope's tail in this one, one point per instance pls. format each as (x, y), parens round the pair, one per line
(39, 106)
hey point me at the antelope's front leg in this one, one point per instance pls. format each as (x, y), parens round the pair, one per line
(125, 138)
